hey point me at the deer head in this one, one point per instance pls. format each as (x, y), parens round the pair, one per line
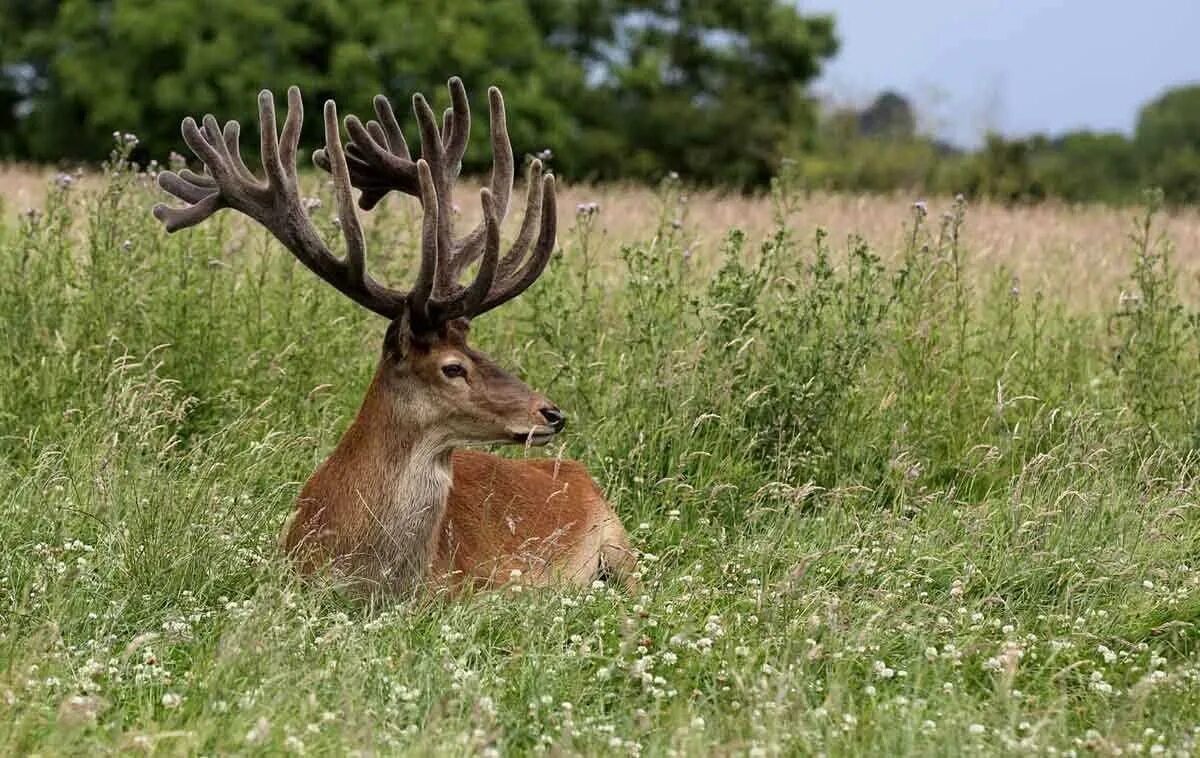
(428, 374)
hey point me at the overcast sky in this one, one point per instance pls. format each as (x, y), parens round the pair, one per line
(1016, 66)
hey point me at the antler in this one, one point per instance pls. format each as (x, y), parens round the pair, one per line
(379, 161)
(275, 202)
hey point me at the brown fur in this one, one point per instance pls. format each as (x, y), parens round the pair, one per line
(545, 518)
(395, 504)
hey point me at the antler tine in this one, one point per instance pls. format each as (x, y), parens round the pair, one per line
(232, 137)
(421, 291)
(275, 202)
(456, 127)
(520, 280)
(391, 127)
(529, 224)
(433, 152)
(347, 216)
(501, 183)
(467, 300)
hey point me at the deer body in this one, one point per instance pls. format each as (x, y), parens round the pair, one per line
(396, 504)
(391, 506)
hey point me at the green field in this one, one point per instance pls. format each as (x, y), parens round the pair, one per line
(889, 500)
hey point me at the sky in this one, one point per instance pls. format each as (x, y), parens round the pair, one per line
(1013, 66)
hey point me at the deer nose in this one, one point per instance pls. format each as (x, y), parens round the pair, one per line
(554, 417)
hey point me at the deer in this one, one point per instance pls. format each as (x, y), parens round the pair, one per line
(406, 501)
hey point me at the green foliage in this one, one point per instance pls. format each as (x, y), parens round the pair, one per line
(1168, 124)
(1158, 340)
(616, 88)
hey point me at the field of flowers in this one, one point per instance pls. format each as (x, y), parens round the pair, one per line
(905, 478)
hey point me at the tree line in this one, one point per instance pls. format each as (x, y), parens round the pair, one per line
(879, 148)
(715, 90)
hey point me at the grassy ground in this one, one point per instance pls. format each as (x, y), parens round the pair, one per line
(891, 498)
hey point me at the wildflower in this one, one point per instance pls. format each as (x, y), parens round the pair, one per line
(172, 700)
(79, 710)
(976, 729)
(260, 732)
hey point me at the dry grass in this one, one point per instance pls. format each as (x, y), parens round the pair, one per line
(1079, 254)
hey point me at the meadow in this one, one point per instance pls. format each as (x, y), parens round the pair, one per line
(906, 478)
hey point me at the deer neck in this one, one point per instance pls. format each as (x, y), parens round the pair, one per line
(396, 479)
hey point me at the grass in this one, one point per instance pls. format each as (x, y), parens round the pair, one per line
(891, 500)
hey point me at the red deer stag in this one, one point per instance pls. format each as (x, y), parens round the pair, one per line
(396, 503)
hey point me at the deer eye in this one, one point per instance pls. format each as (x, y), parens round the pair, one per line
(454, 371)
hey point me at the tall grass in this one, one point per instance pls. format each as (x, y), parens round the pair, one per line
(888, 500)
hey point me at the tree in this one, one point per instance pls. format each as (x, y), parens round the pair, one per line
(1170, 122)
(889, 117)
(178, 57)
(712, 88)
(618, 88)
(1168, 143)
